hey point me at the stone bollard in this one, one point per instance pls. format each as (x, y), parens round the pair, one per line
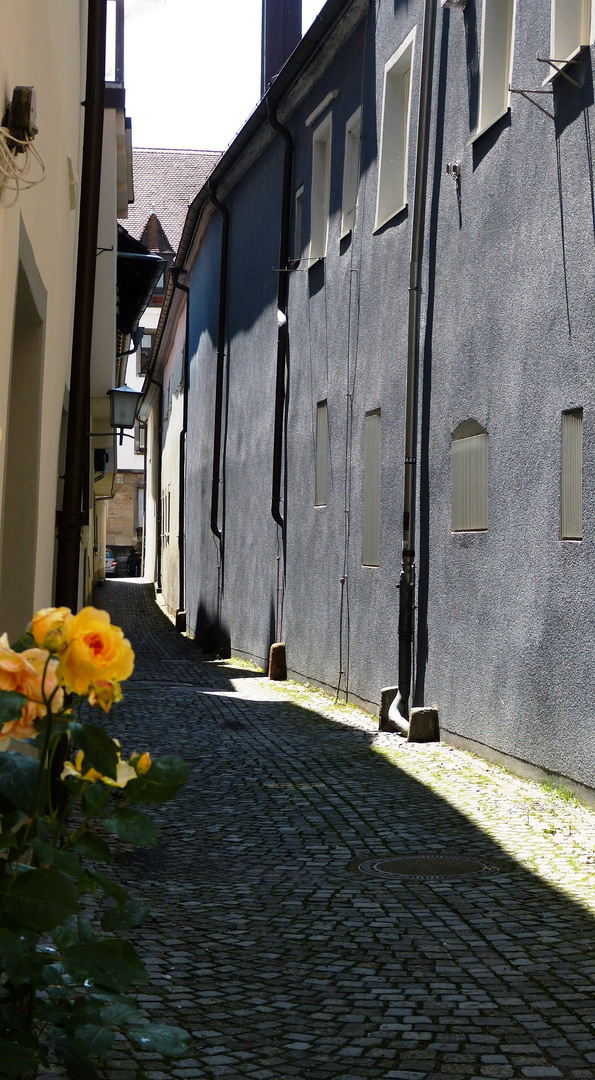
(277, 663)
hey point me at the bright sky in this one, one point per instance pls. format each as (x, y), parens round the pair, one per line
(192, 69)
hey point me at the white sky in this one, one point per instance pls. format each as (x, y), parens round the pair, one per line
(192, 69)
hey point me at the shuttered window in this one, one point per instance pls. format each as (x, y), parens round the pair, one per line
(394, 135)
(570, 27)
(571, 488)
(496, 60)
(321, 485)
(351, 171)
(469, 478)
(371, 517)
(321, 189)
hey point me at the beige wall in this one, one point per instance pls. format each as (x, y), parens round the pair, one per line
(40, 45)
(173, 415)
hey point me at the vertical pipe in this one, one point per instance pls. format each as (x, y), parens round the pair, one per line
(181, 612)
(71, 517)
(407, 577)
(221, 336)
(282, 295)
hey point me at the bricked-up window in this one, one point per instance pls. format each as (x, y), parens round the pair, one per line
(394, 135)
(571, 27)
(371, 514)
(469, 478)
(571, 486)
(496, 61)
(321, 485)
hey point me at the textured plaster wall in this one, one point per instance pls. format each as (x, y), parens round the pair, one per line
(504, 644)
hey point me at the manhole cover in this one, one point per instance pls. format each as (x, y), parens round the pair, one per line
(426, 866)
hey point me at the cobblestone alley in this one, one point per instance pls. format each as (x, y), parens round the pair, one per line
(280, 954)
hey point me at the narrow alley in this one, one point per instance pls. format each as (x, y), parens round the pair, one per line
(287, 934)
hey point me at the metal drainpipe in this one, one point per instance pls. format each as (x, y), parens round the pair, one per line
(400, 708)
(282, 334)
(221, 333)
(181, 612)
(71, 517)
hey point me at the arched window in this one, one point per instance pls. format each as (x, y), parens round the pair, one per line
(469, 452)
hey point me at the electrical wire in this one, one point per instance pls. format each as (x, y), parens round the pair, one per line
(13, 175)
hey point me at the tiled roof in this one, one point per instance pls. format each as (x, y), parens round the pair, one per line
(165, 183)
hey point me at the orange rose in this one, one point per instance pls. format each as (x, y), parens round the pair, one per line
(97, 652)
(27, 674)
(49, 628)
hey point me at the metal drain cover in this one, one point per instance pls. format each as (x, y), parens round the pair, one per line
(426, 867)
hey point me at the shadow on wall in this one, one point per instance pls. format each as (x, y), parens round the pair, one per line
(212, 637)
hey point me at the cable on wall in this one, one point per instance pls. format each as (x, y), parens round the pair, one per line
(14, 172)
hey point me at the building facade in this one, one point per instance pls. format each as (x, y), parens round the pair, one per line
(298, 257)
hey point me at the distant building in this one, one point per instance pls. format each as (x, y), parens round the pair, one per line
(164, 183)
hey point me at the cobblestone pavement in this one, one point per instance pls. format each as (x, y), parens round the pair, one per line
(272, 947)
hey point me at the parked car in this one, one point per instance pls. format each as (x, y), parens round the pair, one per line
(111, 564)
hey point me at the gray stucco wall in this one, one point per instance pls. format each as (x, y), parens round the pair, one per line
(504, 644)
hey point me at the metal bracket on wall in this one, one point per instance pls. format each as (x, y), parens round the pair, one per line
(560, 69)
(526, 93)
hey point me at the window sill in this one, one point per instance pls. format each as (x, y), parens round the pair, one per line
(564, 64)
(486, 127)
(385, 221)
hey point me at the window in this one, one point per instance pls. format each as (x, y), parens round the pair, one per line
(351, 172)
(394, 135)
(496, 61)
(469, 478)
(371, 521)
(298, 214)
(571, 487)
(321, 481)
(321, 189)
(140, 438)
(143, 354)
(571, 27)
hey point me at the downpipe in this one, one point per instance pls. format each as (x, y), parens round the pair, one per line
(397, 711)
(181, 611)
(221, 336)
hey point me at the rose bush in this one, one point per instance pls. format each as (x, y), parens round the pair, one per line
(65, 975)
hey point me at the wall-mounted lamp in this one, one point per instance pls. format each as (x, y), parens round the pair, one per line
(123, 407)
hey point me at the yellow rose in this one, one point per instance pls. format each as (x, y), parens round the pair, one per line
(49, 628)
(96, 652)
(141, 762)
(125, 772)
(104, 692)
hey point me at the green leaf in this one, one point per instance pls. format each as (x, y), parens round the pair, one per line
(65, 861)
(120, 1013)
(117, 892)
(94, 797)
(93, 847)
(108, 962)
(78, 928)
(131, 825)
(161, 1039)
(99, 748)
(16, 1060)
(18, 776)
(130, 915)
(76, 1064)
(27, 641)
(11, 705)
(93, 1039)
(162, 782)
(39, 899)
